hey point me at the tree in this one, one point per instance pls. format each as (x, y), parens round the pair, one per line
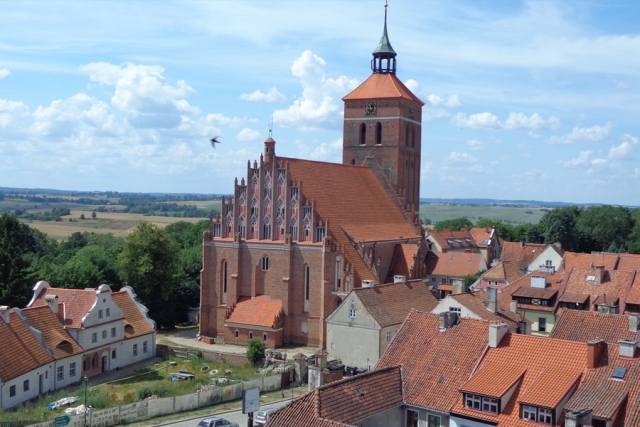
(81, 216)
(255, 351)
(16, 276)
(504, 230)
(606, 225)
(453, 224)
(148, 263)
(561, 225)
(471, 279)
(93, 215)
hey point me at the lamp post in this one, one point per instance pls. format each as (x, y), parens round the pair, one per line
(86, 382)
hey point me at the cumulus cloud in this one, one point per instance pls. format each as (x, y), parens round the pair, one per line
(3, 73)
(271, 96)
(324, 151)
(11, 112)
(578, 134)
(474, 145)
(515, 121)
(459, 159)
(247, 134)
(452, 102)
(142, 93)
(582, 159)
(624, 149)
(319, 105)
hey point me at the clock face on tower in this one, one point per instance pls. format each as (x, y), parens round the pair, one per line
(371, 108)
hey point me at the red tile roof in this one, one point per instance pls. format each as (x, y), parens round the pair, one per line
(482, 236)
(553, 368)
(435, 364)
(615, 285)
(259, 311)
(77, 303)
(475, 302)
(20, 351)
(55, 336)
(628, 262)
(382, 86)
(552, 281)
(344, 402)
(456, 264)
(132, 315)
(403, 259)
(390, 304)
(584, 326)
(633, 297)
(505, 270)
(521, 254)
(487, 383)
(453, 239)
(573, 260)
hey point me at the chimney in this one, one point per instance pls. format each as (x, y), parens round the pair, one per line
(599, 274)
(633, 323)
(456, 288)
(492, 300)
(399, 278)
(521, 244)
(627, 348)
(447, 320)
(595, 348)
(368, 283)
(523, 328)
(4, 313)
(513, 306)
(496, 332)
(52, 302)
(578, 418)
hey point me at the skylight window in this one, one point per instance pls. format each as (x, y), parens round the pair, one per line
(591, 278)
(619, 373)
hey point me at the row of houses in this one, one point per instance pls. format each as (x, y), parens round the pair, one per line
(445, 370)
(64, 335)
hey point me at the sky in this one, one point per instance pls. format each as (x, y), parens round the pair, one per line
(523, 99)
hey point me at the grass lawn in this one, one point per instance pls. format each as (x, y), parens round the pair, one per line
(153, 380)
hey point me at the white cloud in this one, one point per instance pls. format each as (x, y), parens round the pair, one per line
(271, 96)
(319, 105)
(474, 145)
(11, 112)
(220, 120)
(452, 102)
(593, 134)
(582, 159)
(623, 150)
(459, 159)
(325, 151)
(476, 121)
(247, 134)
(142, 94)
(3, 73)
(599, 161)
(427, 171)
(412, 85)
(515, 121)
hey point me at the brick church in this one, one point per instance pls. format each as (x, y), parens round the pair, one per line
(298, 235)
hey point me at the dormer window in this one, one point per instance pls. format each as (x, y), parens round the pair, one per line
(481, 403)
(536, 414)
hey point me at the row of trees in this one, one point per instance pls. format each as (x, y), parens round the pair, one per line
(161, 265)
(602, 228)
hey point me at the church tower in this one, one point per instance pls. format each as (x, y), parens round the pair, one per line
(383, 127)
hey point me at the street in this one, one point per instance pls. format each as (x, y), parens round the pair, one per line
(235, 416)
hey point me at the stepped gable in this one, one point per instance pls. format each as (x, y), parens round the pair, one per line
(573, 260)
(259, 311)
(55, 337)
(435, 364)
(140, 324)
(544, 370)
(390, 304)
(584, 326)
(382, 86)
(20, 351)
(521, 254)
(344, 402)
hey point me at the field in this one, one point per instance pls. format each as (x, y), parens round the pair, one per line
(512, 215)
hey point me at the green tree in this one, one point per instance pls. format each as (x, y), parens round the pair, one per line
(81, 216)
(255, 351)
(633, 243)
(453, 224)
(471, 279)
(606, 225)
(16, 276)
(504, 230)
(93, 215)
(561, 225)
(149, 262)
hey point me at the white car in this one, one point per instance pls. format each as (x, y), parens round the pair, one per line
(216, 422)
(263, 416)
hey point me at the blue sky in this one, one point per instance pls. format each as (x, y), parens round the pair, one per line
(524, 100)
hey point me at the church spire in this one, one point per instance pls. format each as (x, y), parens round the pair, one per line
(384, 57)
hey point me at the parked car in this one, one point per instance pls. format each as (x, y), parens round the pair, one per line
(263, 416)
(216, 422)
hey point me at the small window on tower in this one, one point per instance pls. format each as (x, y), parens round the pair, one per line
(378, 133)
(363, 134)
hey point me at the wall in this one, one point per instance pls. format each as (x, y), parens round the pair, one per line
(460, 422)
(423, 416)
(533, 316)
(68, 379)
(33, 378)
(446, 304)
(390, 417)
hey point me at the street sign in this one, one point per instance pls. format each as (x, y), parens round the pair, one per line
(250, 400)
(62, 421)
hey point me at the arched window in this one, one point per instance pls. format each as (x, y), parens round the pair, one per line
(307, 279)
(347, 284)
(264, 336)
(224, 282)
(250, 335)
(338, 273)
(378, 133)
(363, 134)
(265, 263)
(237, 333)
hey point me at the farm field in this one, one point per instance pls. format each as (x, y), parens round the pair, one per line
(439, 212)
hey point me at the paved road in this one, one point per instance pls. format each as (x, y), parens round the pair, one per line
(236, 416)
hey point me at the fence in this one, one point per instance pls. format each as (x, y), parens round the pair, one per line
(157, 407)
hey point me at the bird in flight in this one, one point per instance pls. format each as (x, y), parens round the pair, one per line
(214, 141)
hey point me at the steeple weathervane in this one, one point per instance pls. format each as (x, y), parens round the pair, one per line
(384, 57)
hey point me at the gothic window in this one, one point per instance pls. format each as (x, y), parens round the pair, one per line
(242, 191)
(307, 279)
(363, 134)
(280, 212)
(280, 179)
(241, 227)
(293, 192)
(293, 228)
(265, 263)
(306, 226)
(378, 133)
(320, 233)
(347, 284)
(254, 207)
(266, 228)
(338, 273)
(224, 282)
(254, 181)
